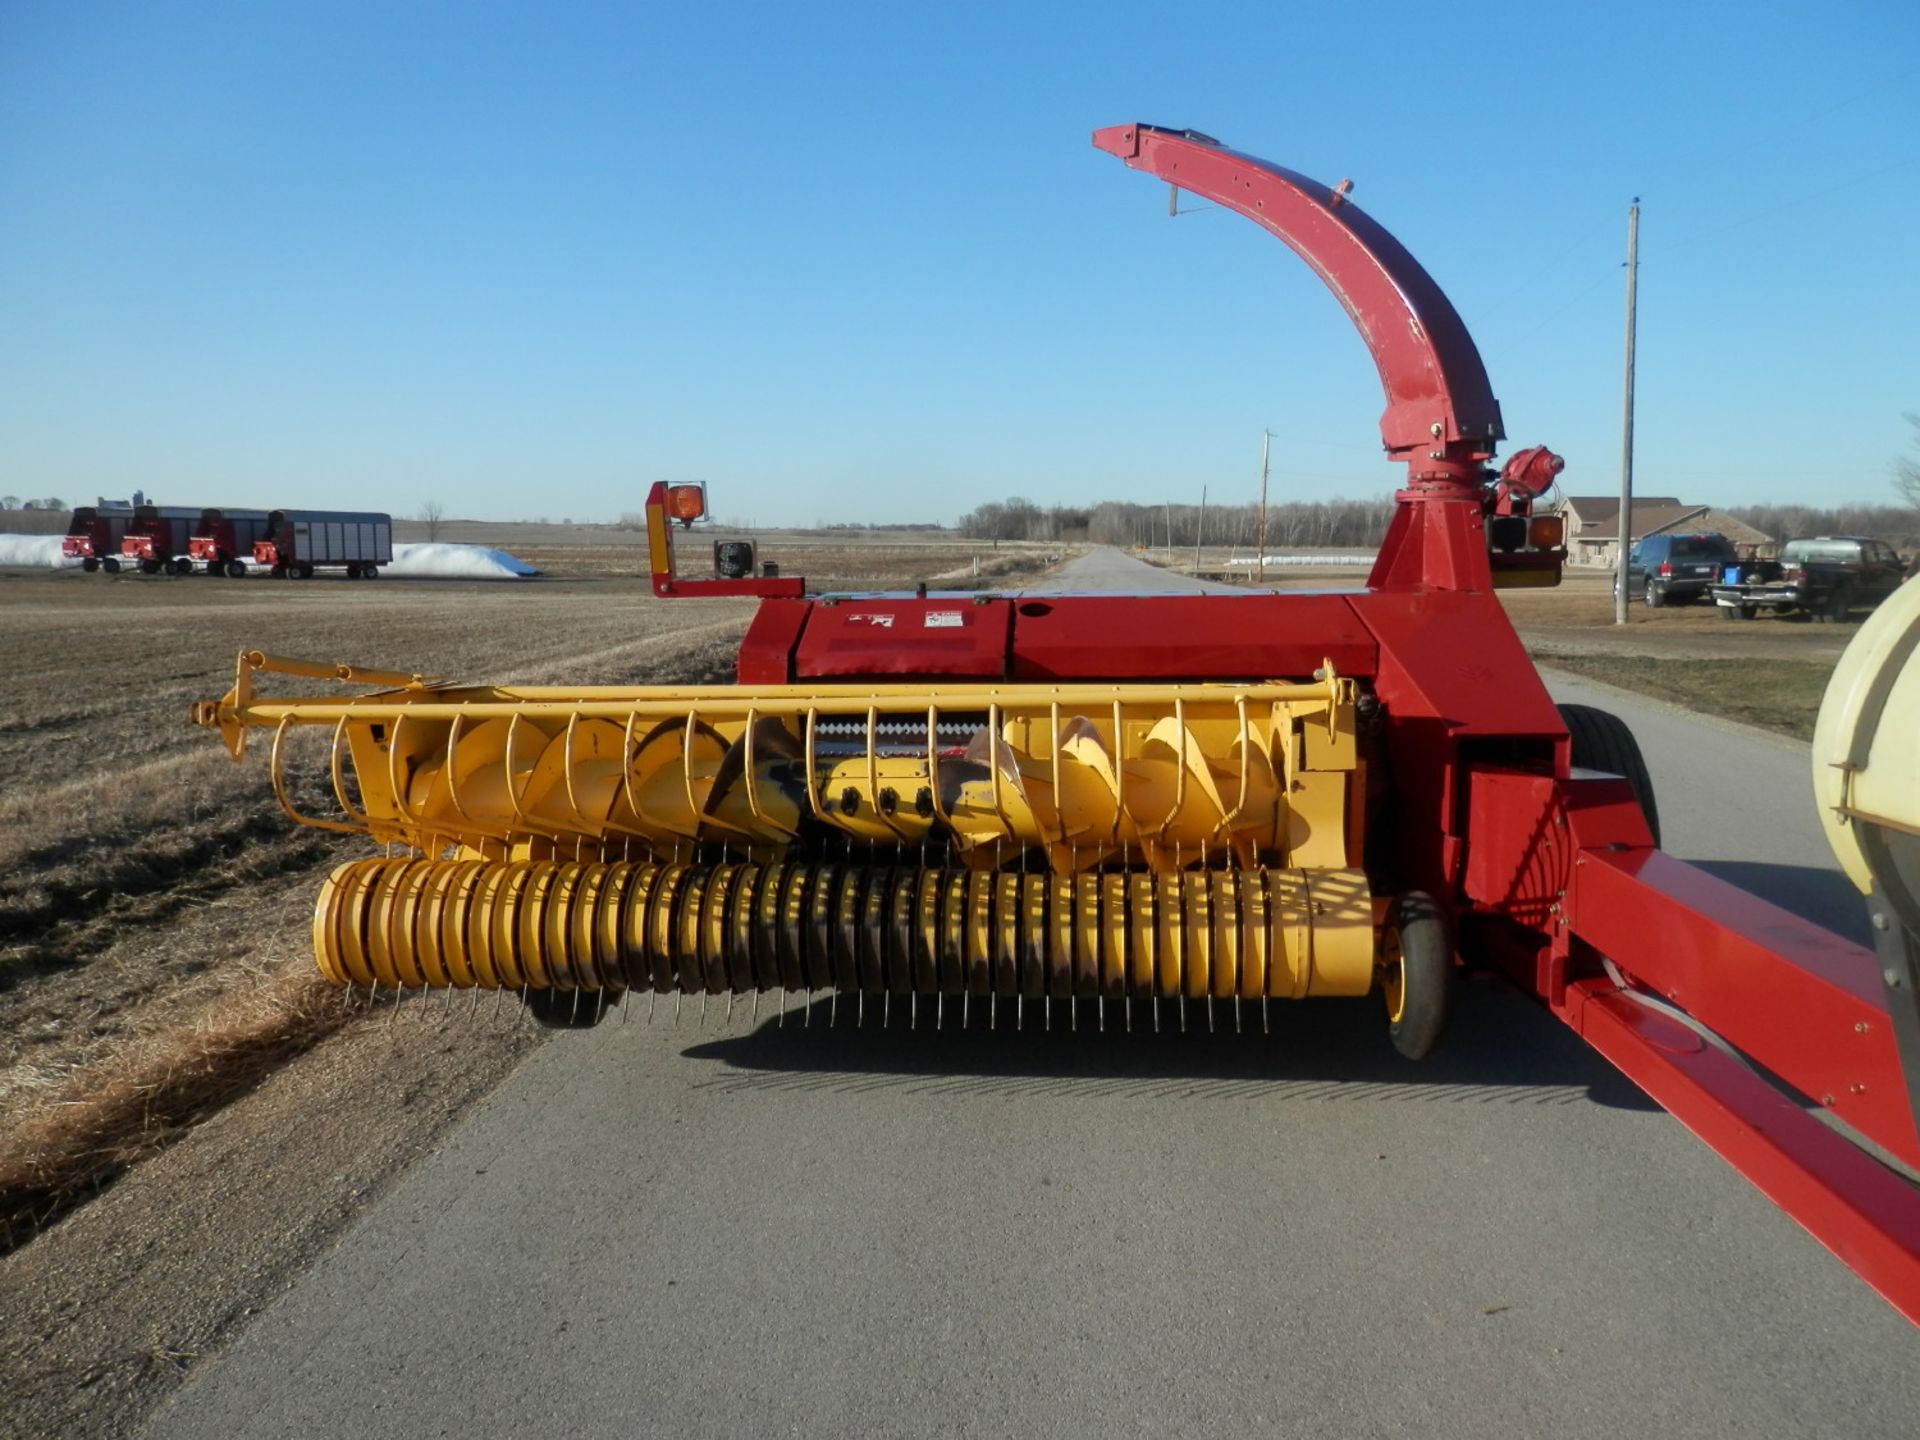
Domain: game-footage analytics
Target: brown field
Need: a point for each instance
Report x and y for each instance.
(154, 962)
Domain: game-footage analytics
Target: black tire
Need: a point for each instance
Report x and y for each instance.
(369, 572)
(1747, 612)
(89, 564)
(1653, 595)
(1416, 974)
(1838, 603)
(278, 572)
(149, 567)
(110, 565)
(1602, 741)
(353, 572)
(236, 569)
(569, 1009)
(306, 572)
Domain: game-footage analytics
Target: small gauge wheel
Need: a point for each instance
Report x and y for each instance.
(1416, 974)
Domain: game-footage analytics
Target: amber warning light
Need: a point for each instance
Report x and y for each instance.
(687, 503)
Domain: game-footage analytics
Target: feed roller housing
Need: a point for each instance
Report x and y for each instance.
(1094, 805)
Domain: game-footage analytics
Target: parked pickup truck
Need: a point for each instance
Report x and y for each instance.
(1824, 577)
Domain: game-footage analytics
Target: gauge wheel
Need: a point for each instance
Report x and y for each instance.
(1416, 974)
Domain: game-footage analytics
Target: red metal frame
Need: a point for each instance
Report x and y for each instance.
(1549, 877)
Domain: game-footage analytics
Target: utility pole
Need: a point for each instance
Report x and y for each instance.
(1260, 529)
(1201, 531)
(1626, 435)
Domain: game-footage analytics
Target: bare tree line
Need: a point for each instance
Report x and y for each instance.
(1314, 523)
(1358, 524)
(1896, 524)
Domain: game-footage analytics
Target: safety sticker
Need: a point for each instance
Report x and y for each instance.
(944, 620)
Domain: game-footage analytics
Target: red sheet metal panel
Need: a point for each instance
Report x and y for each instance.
(1859, 1209)
(1187, 637)
(1455, 656)
(1518, 848)
(766, 653)
(1800, 1000)
(964, 635)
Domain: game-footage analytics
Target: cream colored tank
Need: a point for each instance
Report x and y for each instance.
(1866, 754)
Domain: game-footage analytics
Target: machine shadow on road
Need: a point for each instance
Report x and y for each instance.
(1501, 1050)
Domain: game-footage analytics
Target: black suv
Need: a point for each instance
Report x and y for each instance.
(1676, 567)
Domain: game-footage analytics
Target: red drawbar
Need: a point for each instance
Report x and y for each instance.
(1800, 1000)
(1848, 1201)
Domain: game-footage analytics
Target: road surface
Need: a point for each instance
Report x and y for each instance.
(795, 1230)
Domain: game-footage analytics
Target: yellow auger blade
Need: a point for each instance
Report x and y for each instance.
(1164, 777)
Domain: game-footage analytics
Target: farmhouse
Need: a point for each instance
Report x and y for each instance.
(1593, 524)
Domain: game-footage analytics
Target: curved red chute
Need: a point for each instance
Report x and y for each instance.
(1438, 398)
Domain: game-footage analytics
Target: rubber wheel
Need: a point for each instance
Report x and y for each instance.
(1416, 977)
(369, 572)
(1747, 612)
(1838, 604)
(353, 572)
(278, 572)
(569, 1009)
(236, 569)
(89, 564)
(1602, 741)
(1654, 596)
(306, 572)
(110, 565)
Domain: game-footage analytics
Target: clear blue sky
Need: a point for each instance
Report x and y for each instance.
(861, 261)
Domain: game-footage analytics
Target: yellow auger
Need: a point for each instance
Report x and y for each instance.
(1174, 841)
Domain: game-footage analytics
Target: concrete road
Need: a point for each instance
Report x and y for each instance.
(787, 1230)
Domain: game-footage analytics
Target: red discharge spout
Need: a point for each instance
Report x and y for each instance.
(1441, 417)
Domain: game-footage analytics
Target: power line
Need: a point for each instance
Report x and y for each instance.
(1814, 197)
